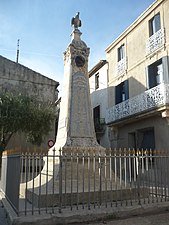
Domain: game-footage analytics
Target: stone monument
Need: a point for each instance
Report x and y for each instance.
(77, 168)
(76, 127)
(76, 135)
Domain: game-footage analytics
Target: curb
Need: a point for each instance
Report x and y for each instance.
(86, 216)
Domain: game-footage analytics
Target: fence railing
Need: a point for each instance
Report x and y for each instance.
(89, 179)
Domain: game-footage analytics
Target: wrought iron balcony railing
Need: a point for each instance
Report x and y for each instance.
(156, 41)
(121, 66)
(148, 100)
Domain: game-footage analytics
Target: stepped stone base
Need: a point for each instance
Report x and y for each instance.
(80, 179)
(97, 197)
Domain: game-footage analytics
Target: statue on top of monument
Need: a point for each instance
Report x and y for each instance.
(76, 22)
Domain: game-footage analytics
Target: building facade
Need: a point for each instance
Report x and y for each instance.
(138, 80)
(99, 92)
(17, 78)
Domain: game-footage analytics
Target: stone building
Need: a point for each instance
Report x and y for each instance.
(98, 92)
(15, 77)
(138, 80)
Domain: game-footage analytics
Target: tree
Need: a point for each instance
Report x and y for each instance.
(20, 113)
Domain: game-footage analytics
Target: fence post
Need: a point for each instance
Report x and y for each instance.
(60, 181)
(138, 174)
(100, 179)
(10, 180)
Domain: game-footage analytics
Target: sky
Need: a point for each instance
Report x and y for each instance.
(44, 27)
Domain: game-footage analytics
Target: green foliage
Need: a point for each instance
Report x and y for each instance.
(19, 113)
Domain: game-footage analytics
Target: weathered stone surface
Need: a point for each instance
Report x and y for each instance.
(76, 128)
(18, 78)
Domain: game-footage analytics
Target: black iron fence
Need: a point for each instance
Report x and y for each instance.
(74, 179)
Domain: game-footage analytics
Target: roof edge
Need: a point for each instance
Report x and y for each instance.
(29, 69)
(139, 19)
(99, 65)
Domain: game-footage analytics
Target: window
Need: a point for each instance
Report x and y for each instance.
(121, 92)
(121, 60)
(96, 113)
(99, 123)
(132, 140)
(154, 24)
(96, 117)
(155, 74)
(97, 81)
(146, 139)
(143, 139)
(121, 52)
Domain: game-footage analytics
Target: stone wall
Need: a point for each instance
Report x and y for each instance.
(17, 78)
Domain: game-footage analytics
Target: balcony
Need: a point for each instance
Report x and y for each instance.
(121, 66)
(151, 99)
(99, 125)
(156, 41)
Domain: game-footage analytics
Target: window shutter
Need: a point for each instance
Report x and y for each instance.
(119, 57)
(126, 89)
(151, 77)
(147, 78)
(165, 69)
(117, 94)
(157, 22)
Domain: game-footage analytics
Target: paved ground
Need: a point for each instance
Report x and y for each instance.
(3, 220)
(161, 218)
(157, 219)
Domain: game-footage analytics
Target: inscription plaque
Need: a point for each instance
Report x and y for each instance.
(80, 111)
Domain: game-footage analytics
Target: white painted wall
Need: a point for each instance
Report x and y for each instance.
(100, 97)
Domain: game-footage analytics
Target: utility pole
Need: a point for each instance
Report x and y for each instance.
(17, 54)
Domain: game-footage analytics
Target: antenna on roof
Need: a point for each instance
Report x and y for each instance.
(17, 54)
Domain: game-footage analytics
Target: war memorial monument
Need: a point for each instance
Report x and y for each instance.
(77, 173)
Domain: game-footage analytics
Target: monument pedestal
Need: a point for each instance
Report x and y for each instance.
(83, 178)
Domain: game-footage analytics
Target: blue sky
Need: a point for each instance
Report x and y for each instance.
(43, 27)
